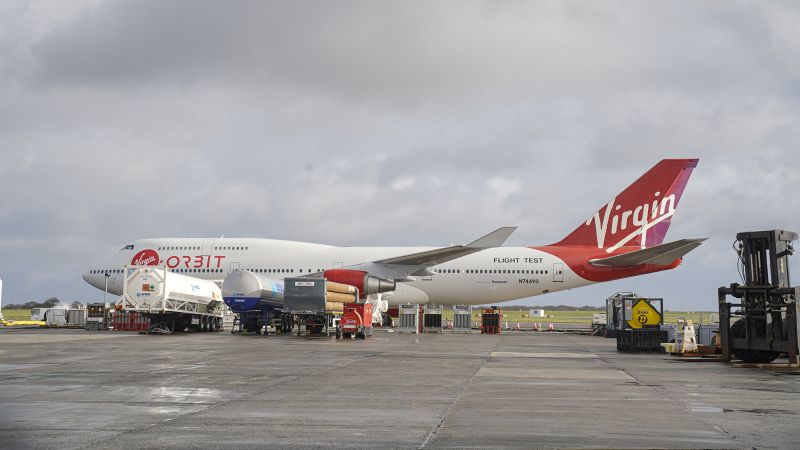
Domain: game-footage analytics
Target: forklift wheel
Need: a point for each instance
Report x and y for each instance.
(750, 356)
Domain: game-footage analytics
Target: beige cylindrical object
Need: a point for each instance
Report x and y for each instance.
(339, 297)
(339, 287)
(334, 306)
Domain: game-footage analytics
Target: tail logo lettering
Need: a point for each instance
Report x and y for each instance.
(640, 219)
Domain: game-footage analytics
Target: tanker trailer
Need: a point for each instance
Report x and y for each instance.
(172, 301)
(251, 296)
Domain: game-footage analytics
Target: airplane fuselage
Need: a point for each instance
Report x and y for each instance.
(489, 276)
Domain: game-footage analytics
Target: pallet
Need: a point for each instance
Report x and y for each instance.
(771, 366)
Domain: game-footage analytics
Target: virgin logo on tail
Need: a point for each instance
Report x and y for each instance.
(639, 219)
(639, 215)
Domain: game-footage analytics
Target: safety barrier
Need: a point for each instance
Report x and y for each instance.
(130, 321)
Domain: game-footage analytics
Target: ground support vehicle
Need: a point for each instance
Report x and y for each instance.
(768, 307)
(316, 304)
(171, 301)
(356, 320)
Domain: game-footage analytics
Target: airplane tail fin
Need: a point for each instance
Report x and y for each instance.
(641, 214)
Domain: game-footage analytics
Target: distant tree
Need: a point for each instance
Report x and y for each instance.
(50, 302)
(550, 307)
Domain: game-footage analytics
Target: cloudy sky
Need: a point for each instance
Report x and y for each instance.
(387, 123)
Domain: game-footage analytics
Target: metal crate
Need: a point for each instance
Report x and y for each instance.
(490, 321)
(304, 295)
(462, 319)
(408, 319)
(641, 340)
(432, 319)
(706, 334)
(76, 317)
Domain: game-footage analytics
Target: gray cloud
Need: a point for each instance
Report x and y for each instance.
(433, 122)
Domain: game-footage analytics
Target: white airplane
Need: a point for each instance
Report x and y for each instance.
(624, 238)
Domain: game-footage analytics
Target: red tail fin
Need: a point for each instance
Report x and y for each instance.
(641, 214)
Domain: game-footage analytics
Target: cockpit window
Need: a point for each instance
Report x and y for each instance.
(128, 247)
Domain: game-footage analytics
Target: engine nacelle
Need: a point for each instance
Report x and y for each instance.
(365, 283)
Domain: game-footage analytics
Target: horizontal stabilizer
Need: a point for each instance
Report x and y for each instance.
(661, 255)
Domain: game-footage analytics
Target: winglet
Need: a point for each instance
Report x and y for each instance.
(494, 239)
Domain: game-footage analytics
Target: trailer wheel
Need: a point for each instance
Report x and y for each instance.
(346, 335)
(739, 331)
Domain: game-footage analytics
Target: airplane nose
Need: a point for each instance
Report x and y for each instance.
(89, 276)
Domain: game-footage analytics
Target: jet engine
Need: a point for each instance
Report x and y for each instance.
(365, 283)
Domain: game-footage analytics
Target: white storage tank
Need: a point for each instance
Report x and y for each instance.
(155, 289)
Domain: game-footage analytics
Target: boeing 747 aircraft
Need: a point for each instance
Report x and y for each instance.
(624, 238)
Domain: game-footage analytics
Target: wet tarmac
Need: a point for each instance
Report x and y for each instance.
(80, 389)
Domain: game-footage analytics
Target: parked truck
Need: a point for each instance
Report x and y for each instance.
(172, 301)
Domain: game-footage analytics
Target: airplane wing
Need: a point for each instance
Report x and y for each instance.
(416, 264)
(432, 257)
(661, 255)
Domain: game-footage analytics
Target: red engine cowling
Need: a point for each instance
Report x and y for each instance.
(363, 281)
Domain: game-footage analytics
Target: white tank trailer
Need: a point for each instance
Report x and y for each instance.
(171, 300)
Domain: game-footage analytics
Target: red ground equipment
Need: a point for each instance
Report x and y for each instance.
(130, 321)
(356, 320)
(490, 321)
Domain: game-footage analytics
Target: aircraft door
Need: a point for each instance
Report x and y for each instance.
(208, 245)
(558, 272)
(234, 267)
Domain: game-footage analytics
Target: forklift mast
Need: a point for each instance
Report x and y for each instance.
(765, 256)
